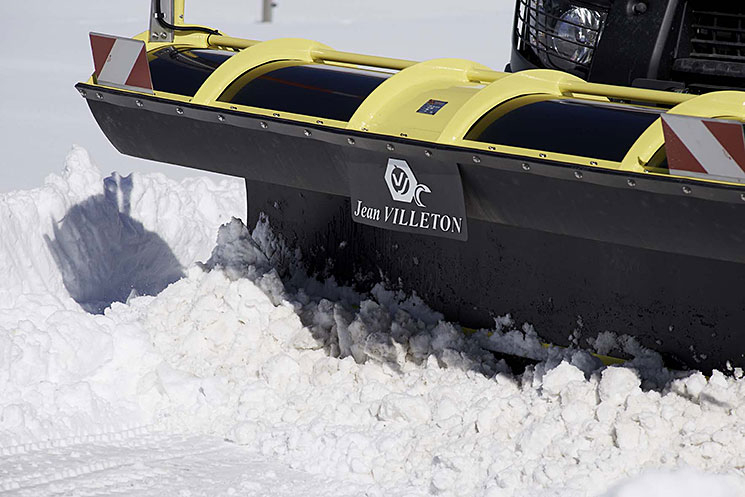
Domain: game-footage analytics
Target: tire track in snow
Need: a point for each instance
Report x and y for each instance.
(136, 462)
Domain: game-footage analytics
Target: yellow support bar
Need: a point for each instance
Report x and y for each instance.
(484, 75)
(178, 12)
(220, 41)
(625, 93)
(328, 55)
(250, 58)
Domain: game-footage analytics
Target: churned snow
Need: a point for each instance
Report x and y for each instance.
(124, 360)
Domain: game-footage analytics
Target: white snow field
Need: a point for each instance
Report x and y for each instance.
(240, 376)
(151, 346)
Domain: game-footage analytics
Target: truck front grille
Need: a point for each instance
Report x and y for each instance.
(717, 30)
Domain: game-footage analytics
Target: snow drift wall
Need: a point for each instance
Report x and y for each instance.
(371, 389)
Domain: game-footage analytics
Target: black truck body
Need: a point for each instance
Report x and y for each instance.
(691, 46)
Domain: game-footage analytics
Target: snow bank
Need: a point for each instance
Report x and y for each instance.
(81, 242)
(372, 389)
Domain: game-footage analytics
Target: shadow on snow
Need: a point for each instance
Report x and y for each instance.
(105, 255)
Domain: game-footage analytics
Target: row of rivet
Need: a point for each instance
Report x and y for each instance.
(476, 159)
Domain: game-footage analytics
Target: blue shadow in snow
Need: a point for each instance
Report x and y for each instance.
(105, 255)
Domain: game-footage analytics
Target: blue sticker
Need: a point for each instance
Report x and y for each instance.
(431, 107)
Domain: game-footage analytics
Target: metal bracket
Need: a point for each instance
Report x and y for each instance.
(159, 32)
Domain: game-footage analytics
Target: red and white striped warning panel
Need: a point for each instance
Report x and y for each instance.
(705, 148)
(121, 62)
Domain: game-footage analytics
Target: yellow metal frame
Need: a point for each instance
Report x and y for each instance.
(391, 108)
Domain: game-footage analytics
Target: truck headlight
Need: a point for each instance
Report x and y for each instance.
(563, 33)
(577, 32)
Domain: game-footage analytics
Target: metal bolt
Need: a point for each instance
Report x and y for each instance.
(163, 35)
(476, 159)
(542, 156)
(263, 124)
(155, 36)
(221, 118)
(99, 95)
(640, 8)
(742, 196)
(390, 147)
(427, 153)
(233, 107)
(404, 135)
(365, 129)
(83, 92)
(526, 166)
(492, 147)
(350, 141)
(275, 114)
(319, 122)
(593, 163)
(139, 103)
(179, 111)
(578, 174)
(687, 190)
(306, 132)
(631, 182)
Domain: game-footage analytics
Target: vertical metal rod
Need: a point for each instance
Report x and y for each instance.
(266, 10)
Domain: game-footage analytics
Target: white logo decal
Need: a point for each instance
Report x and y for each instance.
(403, 184)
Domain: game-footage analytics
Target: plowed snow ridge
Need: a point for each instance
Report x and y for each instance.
(337, 392)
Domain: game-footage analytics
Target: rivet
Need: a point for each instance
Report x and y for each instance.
(427, 153)
(492, 147)
(631, 182)
(83, 92)
(593, 163)
(163, 35)
(526, 166)
(275, 114)
(742, 196)
(687, 190)
(476, 159)
(263, 124)
(220, 118)
(350, 141)
(155, 36)
(390, 147)
(542, 156)
(179, 111)
(319, 122)
(365, 129)
(306, 132)
(404, 135)
(139, 103)
(99, 95)
(578, 174)
(233, 107)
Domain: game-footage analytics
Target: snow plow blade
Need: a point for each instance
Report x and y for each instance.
(580, 208)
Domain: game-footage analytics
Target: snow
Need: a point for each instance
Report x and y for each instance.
(350, 393)
(152, 345)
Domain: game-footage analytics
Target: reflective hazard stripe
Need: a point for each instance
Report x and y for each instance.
(699, 147)
(121, 62)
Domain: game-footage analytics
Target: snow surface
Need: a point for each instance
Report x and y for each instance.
(127, 366)
(335, 392)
